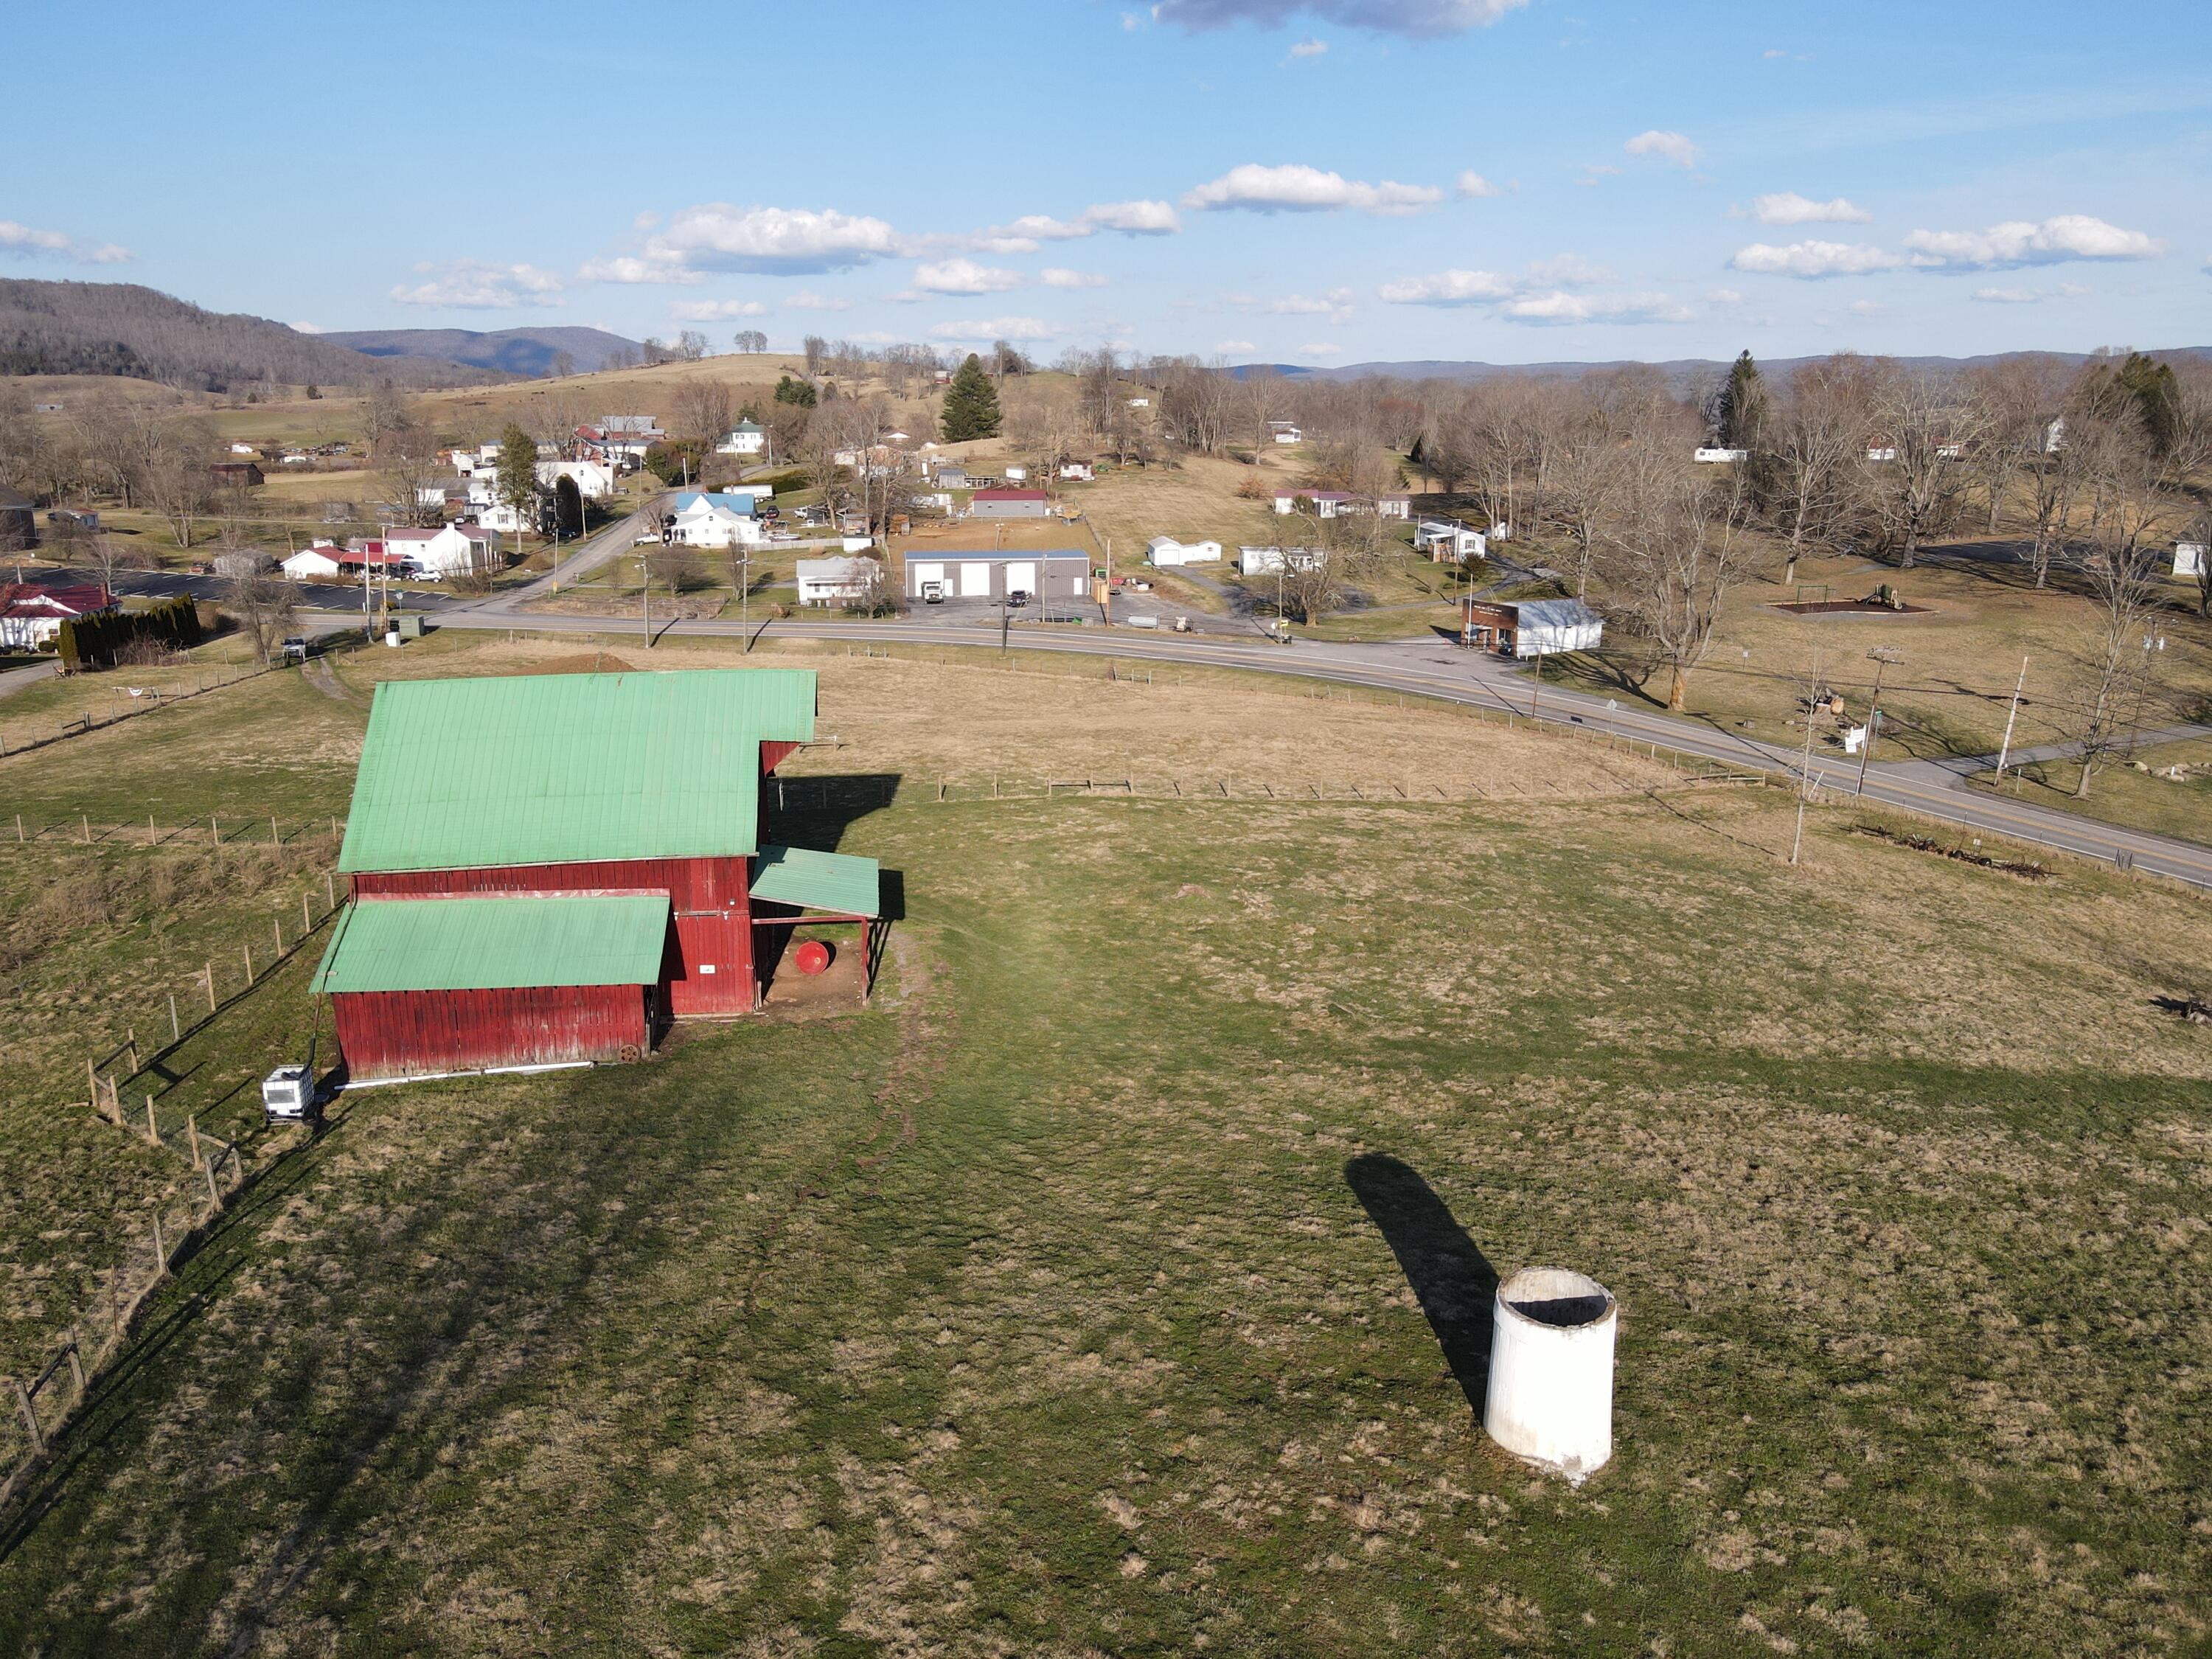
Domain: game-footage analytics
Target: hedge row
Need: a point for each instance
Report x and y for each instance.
(94, 640)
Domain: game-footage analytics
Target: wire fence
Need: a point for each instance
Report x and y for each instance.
(142, 691)
(203, 829)
(212, 1170)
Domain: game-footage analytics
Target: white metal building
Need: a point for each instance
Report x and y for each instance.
(1166, 552)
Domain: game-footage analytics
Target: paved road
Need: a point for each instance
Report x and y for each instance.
(617, 538)
(1431, 669)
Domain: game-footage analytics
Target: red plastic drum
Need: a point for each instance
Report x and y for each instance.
(812, 956)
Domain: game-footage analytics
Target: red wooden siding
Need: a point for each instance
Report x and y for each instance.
(408, 1033)
(710, 969)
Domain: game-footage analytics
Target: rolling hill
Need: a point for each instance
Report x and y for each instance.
(524, 352)
(121, 328)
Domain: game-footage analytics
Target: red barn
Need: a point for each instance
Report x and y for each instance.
(544, 868)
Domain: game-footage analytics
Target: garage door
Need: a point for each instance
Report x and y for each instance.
(919, 573)
(975, 579)
(1022, 579)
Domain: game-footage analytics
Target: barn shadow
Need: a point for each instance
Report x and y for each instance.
(1450, 1277)
(816, 812)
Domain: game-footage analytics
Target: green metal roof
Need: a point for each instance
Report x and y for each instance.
(818, 881)
(494, 944)
(550, 768)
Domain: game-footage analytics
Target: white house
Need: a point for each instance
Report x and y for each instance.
(1140, 403)
(1447, 539)
(451, 550)
(595, 480)
(31, 618)
(1341, 503)
(713, 519)
(745, 438)
(1166, 552)
(2189, 559)
(1018, 474)
(1267, 560)
(1078, 471)
(1715, 457)
(313, 563)
(241, 449)
(838, 581)
(1286, 432)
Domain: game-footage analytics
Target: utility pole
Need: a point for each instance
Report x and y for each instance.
(2004, 749)
(1882, 656)
(1805, 766)
(645, 571)
(1536, 690)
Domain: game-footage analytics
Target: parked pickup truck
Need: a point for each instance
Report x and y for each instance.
(933, 593)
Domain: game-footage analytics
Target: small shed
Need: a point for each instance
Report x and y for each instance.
(235, 474)
(1008, 504)
(311, 563)
(2189, 559)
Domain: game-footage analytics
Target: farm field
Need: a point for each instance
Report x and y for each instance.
(1120, 1281)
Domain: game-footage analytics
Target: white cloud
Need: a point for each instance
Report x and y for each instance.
(964, 276)
(996, 328)
(807, 299)
(1774, 52)
(1725, 296)
(474, 285)
(1667, 146)
(1310, 49)
(627, 268)
(1235, 348)
(1419, 19)
(1592, 172)
(1298, 189)
(1814, 259)
(2074, 290)
(1336, 304)
(2006, 297)
(26, 240)
(648, 220)
(1472, 183)
(1558, 307)
(1060, 276)
(1448, 287)
(307, 328)
(1322, 348)
(716, 311)
(791, 241)
(2018, 242)
(1868, 309)
(1138, 218)
(1788, 208)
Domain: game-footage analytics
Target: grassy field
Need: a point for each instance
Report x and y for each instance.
(1948, 694)
(1118, 1283)
(2120, 794)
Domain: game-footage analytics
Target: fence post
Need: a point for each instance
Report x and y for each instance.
(215, 1194)
(85, 818)
(330, 888)
(214, 829)
(176, 1026)
(160, 1246)
(248, 951)
(152, 1128)
(307, 917)
(210, 971)
(30, 1414)
(77, 1363)
(278, 927)
(274, 839)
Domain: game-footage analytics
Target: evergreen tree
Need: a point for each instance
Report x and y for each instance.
(1739, 407)
(2150, 387)
(971, 405)
(517, 477)
(800, 394)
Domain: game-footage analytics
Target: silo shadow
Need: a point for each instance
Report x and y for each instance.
(1451, 1279)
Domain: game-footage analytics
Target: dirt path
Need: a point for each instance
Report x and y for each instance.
(318, 674)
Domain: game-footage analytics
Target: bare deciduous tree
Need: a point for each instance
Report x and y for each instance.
(1922, 427)
(1818, 441)
(264, 607)
(1673, 554)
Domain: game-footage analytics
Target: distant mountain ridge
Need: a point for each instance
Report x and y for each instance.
(1681, 372)
(529, 352)
(122, 328)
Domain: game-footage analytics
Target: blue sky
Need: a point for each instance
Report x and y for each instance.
(1325, 183)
